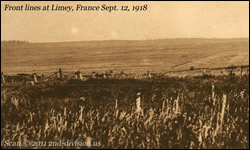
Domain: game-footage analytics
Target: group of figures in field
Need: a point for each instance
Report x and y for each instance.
(78, 75)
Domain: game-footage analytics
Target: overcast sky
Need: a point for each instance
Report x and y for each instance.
(161, 20)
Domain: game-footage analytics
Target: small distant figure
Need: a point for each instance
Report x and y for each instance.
(93, 75)
(122, 74)
(77, 74)
(138, 104)
(109, 74)
(35, 77)
(149, 75)
(80, 76)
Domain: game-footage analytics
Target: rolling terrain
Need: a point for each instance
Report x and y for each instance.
(203, 111)
(130, 56)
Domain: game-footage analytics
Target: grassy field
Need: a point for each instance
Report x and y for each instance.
(190, 112)
(179, 109)
(130, 56)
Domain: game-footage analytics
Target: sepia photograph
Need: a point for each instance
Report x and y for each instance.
(124, 74)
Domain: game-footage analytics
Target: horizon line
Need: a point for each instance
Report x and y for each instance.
(122, 40)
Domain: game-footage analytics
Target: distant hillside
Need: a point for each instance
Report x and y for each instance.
(130, 56)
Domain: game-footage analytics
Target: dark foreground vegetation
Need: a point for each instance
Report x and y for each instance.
(190, 112)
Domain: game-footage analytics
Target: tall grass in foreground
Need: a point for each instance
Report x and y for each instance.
(215, 121)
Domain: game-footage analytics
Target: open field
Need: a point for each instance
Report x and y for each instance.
(195, 95)
(130, 56)
(190, 112)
